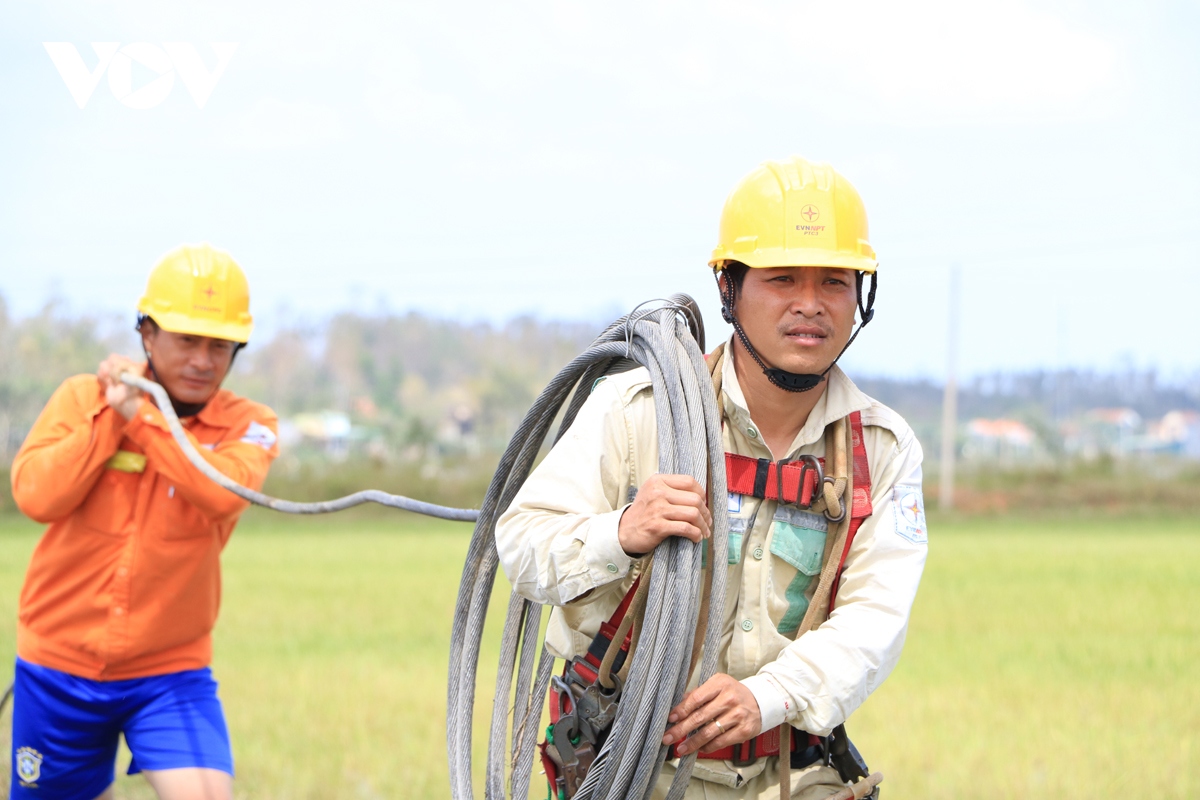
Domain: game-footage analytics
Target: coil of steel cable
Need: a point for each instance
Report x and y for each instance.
(668, 341)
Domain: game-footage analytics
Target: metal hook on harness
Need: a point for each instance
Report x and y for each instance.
(845, 505)
(808, 463)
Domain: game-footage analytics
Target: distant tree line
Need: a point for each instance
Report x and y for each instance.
(398, 374)
(402, 375)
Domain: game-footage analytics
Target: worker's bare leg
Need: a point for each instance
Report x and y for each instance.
(191, 783)
(107, 794)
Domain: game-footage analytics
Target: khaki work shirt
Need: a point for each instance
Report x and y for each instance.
(558, 544)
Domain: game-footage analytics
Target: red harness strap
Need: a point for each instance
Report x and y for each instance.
(589, 666)
(759, 477)
(762, 746)
(861, 505)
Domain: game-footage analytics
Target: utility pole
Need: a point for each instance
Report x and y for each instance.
(1062, 386)
(950, 397)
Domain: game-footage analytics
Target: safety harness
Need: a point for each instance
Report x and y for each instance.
(583, 702)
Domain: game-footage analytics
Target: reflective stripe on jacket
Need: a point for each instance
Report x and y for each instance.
(126, 581)
(558, 544)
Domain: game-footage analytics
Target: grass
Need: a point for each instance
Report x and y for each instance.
(1045, 658)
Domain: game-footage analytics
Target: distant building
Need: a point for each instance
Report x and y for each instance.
(1103, 431)
(1177, 433)
(999, 440)
(329, 430)
(1121, 432)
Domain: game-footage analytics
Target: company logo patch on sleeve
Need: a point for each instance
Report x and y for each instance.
(910, 514)
(260, 435)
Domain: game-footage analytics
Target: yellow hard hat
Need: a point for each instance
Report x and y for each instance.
(794, 213)
(200, 290)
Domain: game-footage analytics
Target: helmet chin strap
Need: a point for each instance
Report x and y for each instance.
(795, 381)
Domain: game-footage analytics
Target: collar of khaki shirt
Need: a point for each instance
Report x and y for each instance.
(840, 398)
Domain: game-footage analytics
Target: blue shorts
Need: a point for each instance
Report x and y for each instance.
(65, 729)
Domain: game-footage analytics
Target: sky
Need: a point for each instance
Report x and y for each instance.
(570, 160)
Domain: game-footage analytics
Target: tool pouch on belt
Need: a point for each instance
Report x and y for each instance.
(844, 756)
(582, 708)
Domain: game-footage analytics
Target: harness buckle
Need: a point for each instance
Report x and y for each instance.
(597, 706)
(750, 751)
(807, 463)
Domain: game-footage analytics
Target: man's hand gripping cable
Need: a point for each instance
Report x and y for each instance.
(286, 506)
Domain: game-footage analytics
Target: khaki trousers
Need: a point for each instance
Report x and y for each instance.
(815, 782)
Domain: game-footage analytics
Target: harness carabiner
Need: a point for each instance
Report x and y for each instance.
(835, 520)
(807, 463)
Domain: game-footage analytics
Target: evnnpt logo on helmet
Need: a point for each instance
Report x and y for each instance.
(165, 62)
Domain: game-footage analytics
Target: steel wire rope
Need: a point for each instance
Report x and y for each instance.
(286, 506)
(667, 341)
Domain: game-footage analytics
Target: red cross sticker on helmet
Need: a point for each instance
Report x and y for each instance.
(201, 290)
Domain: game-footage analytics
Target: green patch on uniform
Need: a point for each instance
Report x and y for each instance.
(737, 529)
(802, 547)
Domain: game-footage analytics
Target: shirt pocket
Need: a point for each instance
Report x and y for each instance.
(173, 517)
(109, 506)
(743, 510)
(740, 517)
(797, 547)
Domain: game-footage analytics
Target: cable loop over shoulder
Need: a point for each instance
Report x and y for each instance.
(667, 340)
(681, 304)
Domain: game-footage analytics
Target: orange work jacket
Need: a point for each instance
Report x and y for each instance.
(126, 581)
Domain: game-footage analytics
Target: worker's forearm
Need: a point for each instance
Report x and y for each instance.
(560, 558)
(243, 463)
(558, 541)
(61, 461)
(827, 673)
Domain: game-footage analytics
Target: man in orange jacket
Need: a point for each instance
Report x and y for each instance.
(122, 592)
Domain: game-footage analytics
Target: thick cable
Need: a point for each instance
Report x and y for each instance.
(286, 506)
(667, 342)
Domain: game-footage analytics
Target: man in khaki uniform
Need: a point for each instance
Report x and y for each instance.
(790, 265)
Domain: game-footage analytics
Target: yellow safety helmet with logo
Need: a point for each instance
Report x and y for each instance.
(199, 290)
(794, 213)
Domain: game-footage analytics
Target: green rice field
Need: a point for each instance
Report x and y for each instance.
(1052, 658)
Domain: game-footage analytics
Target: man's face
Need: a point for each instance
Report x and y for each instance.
(798, 318)
(189, 367)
